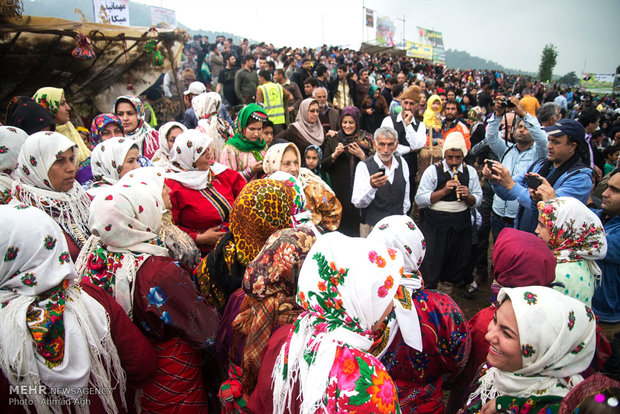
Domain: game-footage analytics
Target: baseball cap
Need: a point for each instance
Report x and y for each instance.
(195, 88)
(567, 127)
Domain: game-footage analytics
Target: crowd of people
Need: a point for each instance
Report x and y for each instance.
(293, 241)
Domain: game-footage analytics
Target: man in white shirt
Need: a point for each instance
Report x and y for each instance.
(447, 191)
(381, 185)
(411, 133)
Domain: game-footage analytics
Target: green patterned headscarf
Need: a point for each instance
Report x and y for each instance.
(239, 140)
(49, 98)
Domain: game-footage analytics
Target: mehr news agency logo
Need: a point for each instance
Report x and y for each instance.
(53, 396)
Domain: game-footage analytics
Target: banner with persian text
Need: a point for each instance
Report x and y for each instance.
(419, 50)
(434, 39)
(602, 83)
(370, 18)
(112, 12)
(386, 31)
(163, 18)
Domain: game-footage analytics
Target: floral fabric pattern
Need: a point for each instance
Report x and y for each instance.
(98, 125)
(107, 161)
(345, 287)
(146, 137)
(577, 239)
(11, 141)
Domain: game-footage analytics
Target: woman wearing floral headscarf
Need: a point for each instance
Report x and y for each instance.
(265, 302)
(202, 191)
(341, 154)
(577, 239)
(110, 161)
(321, 364)
(11, 141)
(55, 334)
(127, 258)
(320, 199)
(540, 341)
(181, 247)
(263, 207)
(426, 341)
(46, 180)
(130, 110)
(53, 99)
(245, 150)
(28, 115)
(168, 133)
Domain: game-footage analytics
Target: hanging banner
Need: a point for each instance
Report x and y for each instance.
(602, 83)
(163, 18)
(386, 31)
(370, 18)
(419, 50)
(112, 11)
(434, 39)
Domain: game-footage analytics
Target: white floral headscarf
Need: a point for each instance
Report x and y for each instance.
(345, 286)
(32, 187)
(107, 160)
(51, 332)
(401, 233)
(125, 220)
(576, 232)
(557, 335)
(11, 141)
(162, 155)
(187, 148)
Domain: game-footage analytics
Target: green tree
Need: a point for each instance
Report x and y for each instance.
(547, 62)
(569, 79)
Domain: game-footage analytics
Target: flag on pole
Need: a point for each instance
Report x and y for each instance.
(370, 18)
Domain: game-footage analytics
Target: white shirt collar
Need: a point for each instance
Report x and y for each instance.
(446, 168)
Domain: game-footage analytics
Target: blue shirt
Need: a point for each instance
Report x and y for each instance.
(575, 183)
(516, 161)
(606, 299)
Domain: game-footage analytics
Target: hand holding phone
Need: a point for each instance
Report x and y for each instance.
(382, 170)
(533, 182)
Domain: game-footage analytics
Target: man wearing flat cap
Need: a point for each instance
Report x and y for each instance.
(561, 174)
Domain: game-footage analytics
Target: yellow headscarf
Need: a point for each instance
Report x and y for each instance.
(50, 98)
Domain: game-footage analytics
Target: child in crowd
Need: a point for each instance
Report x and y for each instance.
(432, 117)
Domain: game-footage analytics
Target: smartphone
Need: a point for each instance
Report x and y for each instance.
(382, 170)
(490, 164)
(533, 182)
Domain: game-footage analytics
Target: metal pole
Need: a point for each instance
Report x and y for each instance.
(363, 20)
(404, 45)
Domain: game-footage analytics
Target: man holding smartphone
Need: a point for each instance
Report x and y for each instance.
(530, 144)
(381, 185)
(561, 174)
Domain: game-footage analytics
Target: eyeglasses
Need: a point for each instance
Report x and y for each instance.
(314, 111)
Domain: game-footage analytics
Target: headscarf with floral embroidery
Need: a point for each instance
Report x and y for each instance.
(345, 287)
(125, 220)
(98, 125)
(25, 113)
(50, 99)
(270, 285)
(188, 147)
(52, 333)
(401, 233)
(576, 232)
(146, 137)
(107, 162)
(11, 141)
(557, 335)
(33, 187)
(162, 155)
(301, 216)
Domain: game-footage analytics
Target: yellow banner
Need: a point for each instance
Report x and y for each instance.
(418, 50)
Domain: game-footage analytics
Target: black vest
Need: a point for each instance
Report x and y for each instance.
(389, 198)
(442, 221)
(412, 157)
(444, 176)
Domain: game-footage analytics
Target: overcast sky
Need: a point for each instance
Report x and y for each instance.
(510, 32)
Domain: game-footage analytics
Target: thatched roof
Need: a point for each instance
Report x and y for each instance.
(36, 52)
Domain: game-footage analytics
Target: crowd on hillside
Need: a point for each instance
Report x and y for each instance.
(292, 238)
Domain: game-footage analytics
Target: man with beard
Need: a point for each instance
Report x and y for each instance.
(530, 145)
(447, 190)
(328, 116)
(451, 124)
(381, 184)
